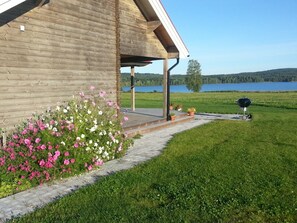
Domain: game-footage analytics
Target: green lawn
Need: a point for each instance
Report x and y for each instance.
(226, 171)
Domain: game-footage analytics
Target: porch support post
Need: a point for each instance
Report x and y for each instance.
(165, 69)
(132, 88)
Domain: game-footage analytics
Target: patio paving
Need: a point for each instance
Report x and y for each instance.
(145, 148)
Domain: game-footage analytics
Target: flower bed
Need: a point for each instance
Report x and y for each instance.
(76, 137)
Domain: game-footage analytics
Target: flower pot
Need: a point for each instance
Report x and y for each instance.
(172, 118)
(191, 113)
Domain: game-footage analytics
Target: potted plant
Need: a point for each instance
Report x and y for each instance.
(172, 116)
(191, 111)
(179, 107)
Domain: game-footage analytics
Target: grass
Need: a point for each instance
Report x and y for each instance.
(226, 171)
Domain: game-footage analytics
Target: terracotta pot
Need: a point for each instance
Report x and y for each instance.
(172, 118)
(191, 113)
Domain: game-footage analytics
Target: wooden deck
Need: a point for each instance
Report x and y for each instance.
(145, 120)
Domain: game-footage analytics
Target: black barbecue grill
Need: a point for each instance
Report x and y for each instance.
(243, 104)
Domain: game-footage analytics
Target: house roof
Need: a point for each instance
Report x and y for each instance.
(153, 10)
(8, 4)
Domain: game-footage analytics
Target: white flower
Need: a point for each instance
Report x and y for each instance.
(117, 141)
(88, 149)
(94, 128)
(100, 149)
(110, 122)
(101, 133)
(68, 108)
(63, 143)
(108, 143)
(58, 108)
(65, 110)
(89, 112)
(100, 112)
(90, 142)
(82, 136)
(95, 144)
(77, 138)
(105, 154)
(55, 129)
(95, 122)
(86, 119)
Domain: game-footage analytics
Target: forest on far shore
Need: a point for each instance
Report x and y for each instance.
(276, 75)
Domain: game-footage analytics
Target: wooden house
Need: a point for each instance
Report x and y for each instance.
(52, 49)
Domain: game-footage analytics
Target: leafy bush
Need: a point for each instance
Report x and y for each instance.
(76, 137)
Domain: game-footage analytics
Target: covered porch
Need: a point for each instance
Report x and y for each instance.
(154, 38)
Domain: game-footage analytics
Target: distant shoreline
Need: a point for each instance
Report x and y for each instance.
(233, 87)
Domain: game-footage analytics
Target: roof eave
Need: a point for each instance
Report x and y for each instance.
(8, 4)
(169, 27)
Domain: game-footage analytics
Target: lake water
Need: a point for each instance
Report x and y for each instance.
(259, 86)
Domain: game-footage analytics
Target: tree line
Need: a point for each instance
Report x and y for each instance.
(276, 75)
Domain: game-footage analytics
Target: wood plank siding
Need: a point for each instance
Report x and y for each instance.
(67, 46)
(135, 38)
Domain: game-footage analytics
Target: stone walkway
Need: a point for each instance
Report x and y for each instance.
(144, 149)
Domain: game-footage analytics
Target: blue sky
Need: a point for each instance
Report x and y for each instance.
(231, 36)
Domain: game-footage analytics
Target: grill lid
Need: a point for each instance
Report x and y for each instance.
(244, 102)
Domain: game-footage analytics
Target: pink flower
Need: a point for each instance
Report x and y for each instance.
(72, 160)
(37, 140)
(76, 145)
(50, 147)
(102, 94)
(120, 147)
(40, 125)
(31, 127)
(43, 147)
(110, 103)
(2, 161)
(52, 122)
(15, 136)
(41, 163)
(47, 175)
(66, 153)
(81, 94)
(126, 118)
(99, 163)
(66, 162)
(12, 156)
(90, 167)
(24, 132)
(35, 130)
(57, 153)
(11, 144)
(49, 165)
(92, 88)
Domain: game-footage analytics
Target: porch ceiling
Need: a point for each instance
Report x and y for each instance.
(153, 10)
(129, 61)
